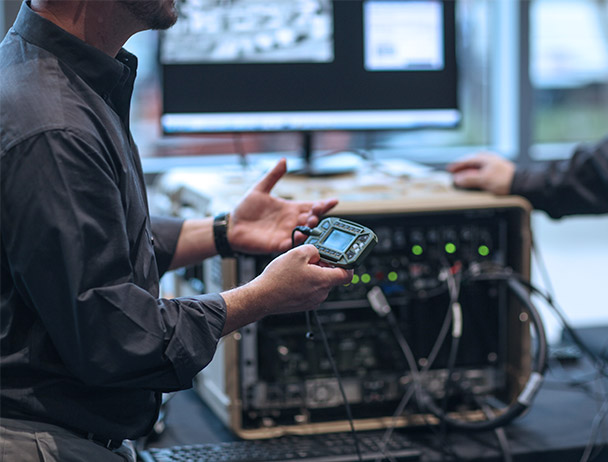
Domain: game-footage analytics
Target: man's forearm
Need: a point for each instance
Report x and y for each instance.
(195, 243)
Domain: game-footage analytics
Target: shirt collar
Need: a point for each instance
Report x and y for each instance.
(102, 72)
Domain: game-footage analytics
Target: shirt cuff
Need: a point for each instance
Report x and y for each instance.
(197, 334)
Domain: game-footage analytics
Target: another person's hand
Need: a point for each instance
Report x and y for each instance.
(487, 171)
(262, 223)
(292, 282)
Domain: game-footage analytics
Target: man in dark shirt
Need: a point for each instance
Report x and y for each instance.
(87, 346)
(578, 185)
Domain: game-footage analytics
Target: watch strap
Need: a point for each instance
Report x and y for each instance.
(220, 235)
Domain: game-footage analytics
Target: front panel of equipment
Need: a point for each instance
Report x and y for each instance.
(286, 378)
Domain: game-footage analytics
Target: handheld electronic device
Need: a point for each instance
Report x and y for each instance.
(341, 242)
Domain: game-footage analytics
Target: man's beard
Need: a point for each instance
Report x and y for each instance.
(153, 14)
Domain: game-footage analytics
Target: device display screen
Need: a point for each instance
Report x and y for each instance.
(338, 240)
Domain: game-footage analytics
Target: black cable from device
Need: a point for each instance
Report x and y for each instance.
(306, 231)
(336, 373)
(310, 336)
(303, 229)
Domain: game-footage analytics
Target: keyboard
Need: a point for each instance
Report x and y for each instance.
(331, 447)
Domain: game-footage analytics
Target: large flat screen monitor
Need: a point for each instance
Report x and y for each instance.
(309, 65)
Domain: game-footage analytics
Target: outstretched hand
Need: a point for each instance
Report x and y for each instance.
(262, 223)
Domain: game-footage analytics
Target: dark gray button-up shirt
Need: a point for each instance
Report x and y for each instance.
(578, 185)
(85, 340)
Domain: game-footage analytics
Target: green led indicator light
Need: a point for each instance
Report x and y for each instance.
(417, 249)
(365, 278)
(483, 250)
(355, 279)
(392, 276)
(450, 248)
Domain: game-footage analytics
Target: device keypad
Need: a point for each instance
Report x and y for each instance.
(352, 229)
(329, 252)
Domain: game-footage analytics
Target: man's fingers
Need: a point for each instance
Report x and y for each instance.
(343, 276)
(321, 207)
(312, 221)
(309, 252)
(271, 178)
(475, 161)
(467, 179)
(465, 164)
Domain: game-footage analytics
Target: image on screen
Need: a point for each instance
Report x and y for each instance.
(250, 31)
(403, 35)
(338, 240)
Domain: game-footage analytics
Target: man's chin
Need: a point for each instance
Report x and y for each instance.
(170, 14)
(165, 18)
(153, 14)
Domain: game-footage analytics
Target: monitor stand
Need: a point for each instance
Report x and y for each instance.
(315, 166)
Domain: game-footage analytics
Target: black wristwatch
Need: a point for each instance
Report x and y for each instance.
(220, 235)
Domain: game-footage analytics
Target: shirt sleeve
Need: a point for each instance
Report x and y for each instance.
(165, 231)
(64, 230)
(578, 185)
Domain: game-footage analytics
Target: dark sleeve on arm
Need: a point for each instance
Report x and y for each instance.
(166, 234)
(578, 185)
(73, 262)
